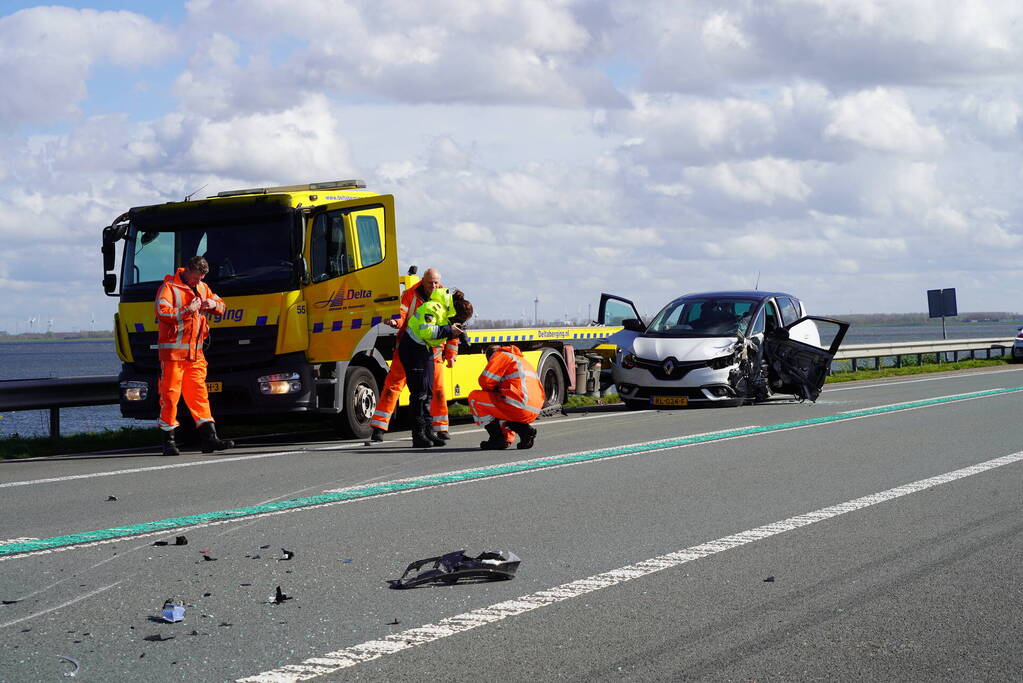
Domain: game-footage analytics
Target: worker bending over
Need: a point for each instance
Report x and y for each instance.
(412, 299)
(511, 391)
(183, 304)
(432, 324)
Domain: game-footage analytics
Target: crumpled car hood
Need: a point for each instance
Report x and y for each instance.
(659, 348)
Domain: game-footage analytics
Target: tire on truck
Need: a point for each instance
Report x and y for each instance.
(553, 376)
(361, 393)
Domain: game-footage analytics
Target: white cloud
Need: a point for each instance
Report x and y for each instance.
(48, 53)
(762, 180)
(881, 119)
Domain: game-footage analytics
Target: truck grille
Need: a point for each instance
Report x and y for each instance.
(228, 348)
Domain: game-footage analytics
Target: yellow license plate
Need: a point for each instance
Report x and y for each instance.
(214, 387)
(670, 401)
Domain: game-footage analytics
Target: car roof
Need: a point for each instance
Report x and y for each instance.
(759, 295)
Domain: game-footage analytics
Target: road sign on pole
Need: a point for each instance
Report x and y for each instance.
(942, 303)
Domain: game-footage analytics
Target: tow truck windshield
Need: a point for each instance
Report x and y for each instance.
(703, 317)
(244, 258)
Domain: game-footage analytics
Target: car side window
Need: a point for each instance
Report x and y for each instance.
(789, 313)
(758, 323)
(771, 320)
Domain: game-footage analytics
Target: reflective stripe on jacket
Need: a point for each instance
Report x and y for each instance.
(412, 299)
(181, 333)
(511, 376)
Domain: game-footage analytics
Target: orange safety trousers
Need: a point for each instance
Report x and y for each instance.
(487, 406)
(395, 382)
(183, 378)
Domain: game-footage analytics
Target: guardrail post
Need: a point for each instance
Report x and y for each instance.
(898, 360)
(54, 423)
(853, 364)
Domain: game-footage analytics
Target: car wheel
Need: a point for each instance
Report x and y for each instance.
(636, 404)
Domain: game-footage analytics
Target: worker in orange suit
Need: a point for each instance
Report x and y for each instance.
(183, 305)
(510, 390)
(444, 356)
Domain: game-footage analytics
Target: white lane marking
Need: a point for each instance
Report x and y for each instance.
(20, 539)
(62, 605)
(913, 381)
(902, 403)
(414, 637)
(217, 460)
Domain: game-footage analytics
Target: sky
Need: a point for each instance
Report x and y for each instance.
(855, 153)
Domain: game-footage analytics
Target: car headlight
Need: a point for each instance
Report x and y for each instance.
(721, 362)
(629, 361)
(281, 383)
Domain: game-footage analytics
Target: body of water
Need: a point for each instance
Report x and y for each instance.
(26, 360)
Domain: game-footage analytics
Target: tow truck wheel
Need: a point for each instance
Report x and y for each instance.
(361, 394)
(555, 385)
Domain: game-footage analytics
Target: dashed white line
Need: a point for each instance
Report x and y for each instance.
(902, 403)
(415, 637)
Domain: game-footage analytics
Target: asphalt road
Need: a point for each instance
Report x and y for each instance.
(874, 535)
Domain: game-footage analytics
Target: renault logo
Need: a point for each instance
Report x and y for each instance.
(669, 366)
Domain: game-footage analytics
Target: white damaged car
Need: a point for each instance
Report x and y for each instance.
(725, 348)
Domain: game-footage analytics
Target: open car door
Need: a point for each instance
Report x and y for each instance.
(799, 363)
(615, 310)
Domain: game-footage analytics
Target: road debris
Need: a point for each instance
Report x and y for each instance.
(287, 555)
(9, 602)
(109, 498)
(208, 558)
(454, 566)
(178, 540)
(393, 623)
(769, 579)
(73, 672)
(173, 610)
(278, 597)
(157, 638)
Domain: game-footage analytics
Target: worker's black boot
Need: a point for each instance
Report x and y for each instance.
(434, 437)
(443, 436)
(420, 438)
(208, 441)
(496, 441)
(377, 436)
(169, 445)
(527, 433)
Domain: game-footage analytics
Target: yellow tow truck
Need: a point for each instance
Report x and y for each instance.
(308, 274)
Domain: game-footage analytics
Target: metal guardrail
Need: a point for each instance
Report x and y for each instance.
(54, 393)
(899, 350)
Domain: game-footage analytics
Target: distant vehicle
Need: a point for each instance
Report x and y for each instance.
(1017, 345)
(725, 348)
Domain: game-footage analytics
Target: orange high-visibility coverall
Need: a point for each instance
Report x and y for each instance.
(180, 338)
(411, 299)
(510, 390)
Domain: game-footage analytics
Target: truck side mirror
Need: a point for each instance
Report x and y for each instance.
(109, 283)
(108, 255)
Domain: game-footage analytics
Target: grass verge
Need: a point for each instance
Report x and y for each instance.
(849, 376)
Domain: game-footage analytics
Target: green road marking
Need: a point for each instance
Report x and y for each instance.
(452, 477)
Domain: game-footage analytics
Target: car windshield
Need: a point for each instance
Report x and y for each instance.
(703, 317)
(248, 258)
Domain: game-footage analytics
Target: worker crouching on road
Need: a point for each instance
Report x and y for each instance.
(183, 305)
(511, 391)
(412, 299)
(432, 324)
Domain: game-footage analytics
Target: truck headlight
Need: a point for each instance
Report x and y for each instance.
(135, 391)
(281, 383)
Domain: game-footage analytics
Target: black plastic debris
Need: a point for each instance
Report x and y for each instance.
(74, 662)
(769, 579)
(178, 540)
(287, 555)
(455, 566)
(393, 623)
(278, 597)
(110, 498)
(157, 638)
(207, 558)
(264, 547)
(9, 602)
